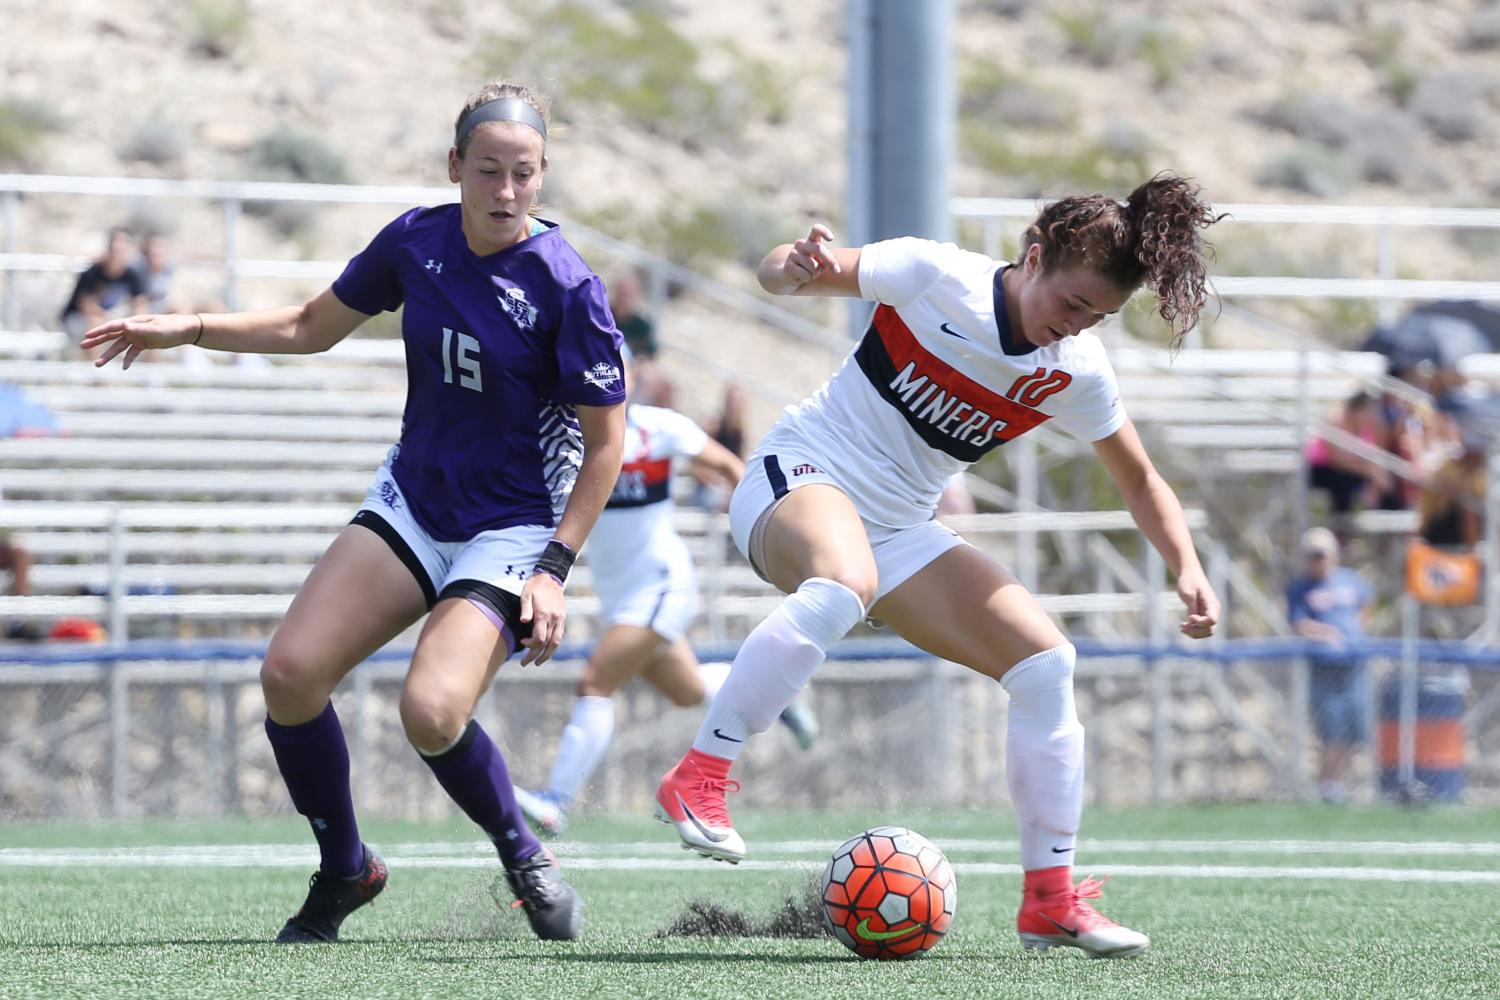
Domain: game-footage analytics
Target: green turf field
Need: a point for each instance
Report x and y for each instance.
(1241, 901)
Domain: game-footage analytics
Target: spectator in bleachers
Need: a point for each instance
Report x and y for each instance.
(1412, 433)
(630, 316)
(1351, 481)
(652, 385)
(157, 269)
(1328, 604)
(1451, 506)
(108, 288)
(728, 428)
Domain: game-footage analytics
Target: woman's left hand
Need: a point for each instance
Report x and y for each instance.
(543, 606)
(1201, 602)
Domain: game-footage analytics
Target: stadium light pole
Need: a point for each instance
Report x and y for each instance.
(901, 125)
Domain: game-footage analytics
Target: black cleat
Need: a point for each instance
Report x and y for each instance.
(330, 899)
(551, 904)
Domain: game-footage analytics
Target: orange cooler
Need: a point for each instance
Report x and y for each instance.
(1439, 772)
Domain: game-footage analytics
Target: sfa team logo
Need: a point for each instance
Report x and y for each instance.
(513, 301)
(602, 375)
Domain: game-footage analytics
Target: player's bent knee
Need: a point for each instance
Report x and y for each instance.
(431, 720)
(291, 685)
(862, 582)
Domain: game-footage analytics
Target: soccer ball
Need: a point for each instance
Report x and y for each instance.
(889, 893)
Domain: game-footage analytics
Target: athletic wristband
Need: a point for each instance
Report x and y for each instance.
(556, 560)
(200, 329)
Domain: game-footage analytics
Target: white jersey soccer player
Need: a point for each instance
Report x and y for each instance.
(648, 594)
(837, 505)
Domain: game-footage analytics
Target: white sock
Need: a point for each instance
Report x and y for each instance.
(775, 663)
(1044, 757)
(584, 740)
(714, 675)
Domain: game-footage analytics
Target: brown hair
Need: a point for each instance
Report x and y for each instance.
(494, 90)
(1153, 238)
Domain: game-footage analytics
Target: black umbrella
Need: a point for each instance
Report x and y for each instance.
(1434, 335)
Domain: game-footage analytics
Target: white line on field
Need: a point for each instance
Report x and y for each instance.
(284, 856)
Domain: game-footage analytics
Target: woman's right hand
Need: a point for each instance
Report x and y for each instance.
(810, 257)
(135, 334)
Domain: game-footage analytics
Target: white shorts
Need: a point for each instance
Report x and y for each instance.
(499, 560)
(771, 476)
(665, 602)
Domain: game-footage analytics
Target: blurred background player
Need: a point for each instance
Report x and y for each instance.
(837, 505)
(649, 594)
(1328, 604)
(510, 444)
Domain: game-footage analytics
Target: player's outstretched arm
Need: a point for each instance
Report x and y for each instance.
(314, 326)
(542, 604)
(811, 267)
(1158, 512)
(719, 464)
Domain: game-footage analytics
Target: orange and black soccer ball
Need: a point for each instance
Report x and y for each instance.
(889, 893)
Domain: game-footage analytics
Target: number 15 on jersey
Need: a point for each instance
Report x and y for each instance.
(461, 351)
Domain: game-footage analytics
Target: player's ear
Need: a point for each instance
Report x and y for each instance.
(454, 165)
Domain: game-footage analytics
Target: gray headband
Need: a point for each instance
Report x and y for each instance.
(501, 109)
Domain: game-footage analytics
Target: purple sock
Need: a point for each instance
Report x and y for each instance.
(314, 762)
(474, 775)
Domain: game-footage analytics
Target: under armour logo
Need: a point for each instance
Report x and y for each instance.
(434, 265)
(511, 834)
(318, 824)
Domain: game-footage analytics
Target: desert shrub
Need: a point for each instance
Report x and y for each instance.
(1011, 9)
(991, 95)
(1310, 169)
(1483, 29)
(1381, 48)
(218, 27)
(1115, 161)
(1451, 104)
(285, 153)
(1325, 119)
(155, 141)
(636, 62)
(23, 125)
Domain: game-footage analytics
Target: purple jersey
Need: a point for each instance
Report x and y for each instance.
(499, 350)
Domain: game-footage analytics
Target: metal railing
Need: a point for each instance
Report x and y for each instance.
(232, 196)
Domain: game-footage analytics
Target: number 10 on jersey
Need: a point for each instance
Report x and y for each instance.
(461, 351)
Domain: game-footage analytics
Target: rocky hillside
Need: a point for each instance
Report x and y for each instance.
(706, 132)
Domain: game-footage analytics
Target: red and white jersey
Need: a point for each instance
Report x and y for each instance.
(938, 381)
(634, 538)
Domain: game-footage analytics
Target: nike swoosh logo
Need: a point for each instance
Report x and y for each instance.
(863, 930)
(1062, 850)
(952, 333)
(1070, 931)
(713, 835)
(721, 736)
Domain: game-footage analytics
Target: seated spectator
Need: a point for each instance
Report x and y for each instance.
(1351, 481)
(1412, 431)
(157, 269)
(635, 326)
(652, 385)
(728, 426)
(108, 288)
(1328, 604)
(1451, 507)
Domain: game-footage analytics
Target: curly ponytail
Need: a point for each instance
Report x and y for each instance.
(1154, 239)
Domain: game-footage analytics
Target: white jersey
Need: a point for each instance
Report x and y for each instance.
(938, 381)
(634, 541)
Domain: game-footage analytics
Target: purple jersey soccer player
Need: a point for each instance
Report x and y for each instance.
(510, 445)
